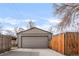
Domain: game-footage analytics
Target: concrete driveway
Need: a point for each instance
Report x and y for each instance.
(31, 52)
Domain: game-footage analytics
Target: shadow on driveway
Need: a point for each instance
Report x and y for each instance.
(21, 53)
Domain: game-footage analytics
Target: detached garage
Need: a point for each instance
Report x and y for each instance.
(33, 38)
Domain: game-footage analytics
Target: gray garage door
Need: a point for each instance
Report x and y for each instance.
(34, 42)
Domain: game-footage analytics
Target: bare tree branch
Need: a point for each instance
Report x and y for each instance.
(68, 13)
(30, 24)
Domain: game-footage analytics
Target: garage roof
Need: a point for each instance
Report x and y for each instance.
(34, 28)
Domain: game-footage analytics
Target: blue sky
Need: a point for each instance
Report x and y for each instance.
(13, 15)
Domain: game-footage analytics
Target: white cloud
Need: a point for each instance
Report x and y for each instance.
(22, 23)
(44, 27)
(12, 21)
(53, 21)
(27, 20)
(57, 21)
(8, 20)
(9, 23)
(50, 22)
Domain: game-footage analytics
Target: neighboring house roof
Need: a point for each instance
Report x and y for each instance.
(33, 28)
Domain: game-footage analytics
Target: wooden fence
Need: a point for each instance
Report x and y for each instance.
(71, 43)
(5, 43)
(66, 43)
(57, 43)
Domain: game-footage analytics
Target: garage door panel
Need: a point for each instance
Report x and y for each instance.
(34, 42)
